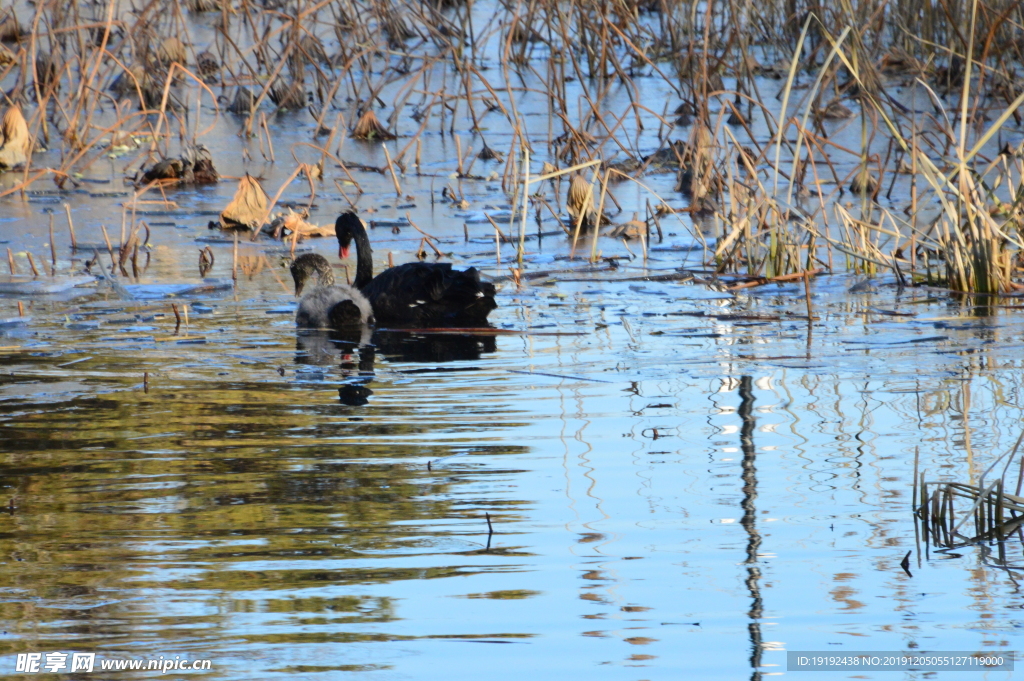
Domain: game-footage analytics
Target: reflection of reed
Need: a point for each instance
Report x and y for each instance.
(749, 522)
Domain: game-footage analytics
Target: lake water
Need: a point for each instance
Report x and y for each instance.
(633, 478)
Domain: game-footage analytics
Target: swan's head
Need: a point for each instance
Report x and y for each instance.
(311, 268)
(345, 228)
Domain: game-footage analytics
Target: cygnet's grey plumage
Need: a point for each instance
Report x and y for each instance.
(325, 304)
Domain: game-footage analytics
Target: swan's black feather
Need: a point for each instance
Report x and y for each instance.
(417, 293)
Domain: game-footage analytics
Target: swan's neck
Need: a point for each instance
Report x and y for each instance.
(364, 258)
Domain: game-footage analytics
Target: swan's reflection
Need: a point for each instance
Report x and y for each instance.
(354, 351)
(412, 346)
(328, 347)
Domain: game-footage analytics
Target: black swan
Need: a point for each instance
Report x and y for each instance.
(326, 304)
(416, 293)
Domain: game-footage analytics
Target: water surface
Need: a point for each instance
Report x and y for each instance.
(638, 478)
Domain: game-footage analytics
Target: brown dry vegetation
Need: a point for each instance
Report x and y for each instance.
(15, 143)
(248, 208)
(775, 204)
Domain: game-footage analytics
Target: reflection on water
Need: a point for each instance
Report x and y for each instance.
(695, 493)
(354, 351)
(624, 479)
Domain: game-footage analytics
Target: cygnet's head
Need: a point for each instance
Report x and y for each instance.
(312, 269)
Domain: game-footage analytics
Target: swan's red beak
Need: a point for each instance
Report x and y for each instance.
(343, 252)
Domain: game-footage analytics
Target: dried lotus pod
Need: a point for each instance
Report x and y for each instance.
(834, 110)
(10, 30)
(291, 96)
(195, 166)
(171, 50)
(197, 6)
(47, 71)
(207, 66)
(128, 82)
(369, 127)
(580, 202)
(634, 229)
(864, 182)
(243, 103)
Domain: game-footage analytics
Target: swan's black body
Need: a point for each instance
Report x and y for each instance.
(326, 305)
(416, 293)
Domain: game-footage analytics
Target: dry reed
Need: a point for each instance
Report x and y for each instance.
(772, 201)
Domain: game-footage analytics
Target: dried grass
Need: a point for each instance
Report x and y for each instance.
(772, 199)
